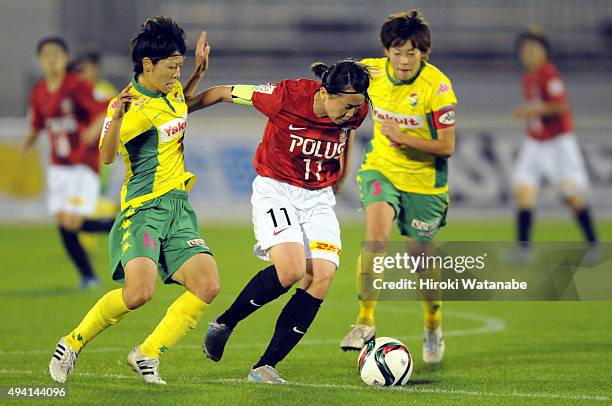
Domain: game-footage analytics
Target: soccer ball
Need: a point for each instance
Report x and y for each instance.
(385, 362)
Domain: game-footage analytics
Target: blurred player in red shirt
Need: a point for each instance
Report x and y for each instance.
(64, 107)
(550, 150)
(300, 162)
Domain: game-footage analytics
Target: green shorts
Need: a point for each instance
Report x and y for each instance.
(418, 216)
(164, 229)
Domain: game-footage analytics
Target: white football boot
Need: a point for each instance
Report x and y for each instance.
(433, 346)
(359, 335)
(146, 367)
(265, 374)
(62, 361)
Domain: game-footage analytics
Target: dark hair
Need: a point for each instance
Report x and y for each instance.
(342, 75)
(159, 39)
(51, 40)
(533, 34)
(406, 26)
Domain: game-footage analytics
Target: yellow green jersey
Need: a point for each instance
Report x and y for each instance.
(421, 106)
(151, 143)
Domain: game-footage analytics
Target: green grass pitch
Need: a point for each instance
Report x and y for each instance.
(497, 352)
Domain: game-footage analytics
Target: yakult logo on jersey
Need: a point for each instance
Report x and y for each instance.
(267, 89)
(173, 129)
(316, 148)
(404, 121)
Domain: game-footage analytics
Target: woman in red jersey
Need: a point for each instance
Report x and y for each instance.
(63, 106)
(551, 150)
(301, 159)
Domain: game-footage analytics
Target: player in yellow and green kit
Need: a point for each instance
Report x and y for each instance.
(405, 170)
(156, 231)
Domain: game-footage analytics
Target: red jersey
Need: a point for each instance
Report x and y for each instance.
(298, 147)
(64, 115)
(545, 86)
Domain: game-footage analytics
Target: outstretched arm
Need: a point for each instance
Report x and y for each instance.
(540, 109)
(210, 96)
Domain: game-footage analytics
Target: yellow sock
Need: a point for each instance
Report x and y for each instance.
(432, 314)
(109, 310)
(364, 278)
(182, 316)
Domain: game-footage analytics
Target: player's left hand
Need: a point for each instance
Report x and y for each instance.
(391, 130)
(201, 53)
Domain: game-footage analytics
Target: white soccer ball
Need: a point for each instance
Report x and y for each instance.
(385, 362)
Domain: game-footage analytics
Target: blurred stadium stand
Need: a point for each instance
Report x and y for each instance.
(257, 41)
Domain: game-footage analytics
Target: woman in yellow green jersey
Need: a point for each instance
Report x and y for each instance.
(404, 173)
(156, 231)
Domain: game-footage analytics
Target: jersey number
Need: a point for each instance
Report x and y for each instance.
(62, 145)
(318, 165)
(271, 212)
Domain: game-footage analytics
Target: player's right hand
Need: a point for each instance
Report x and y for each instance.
(123, 102)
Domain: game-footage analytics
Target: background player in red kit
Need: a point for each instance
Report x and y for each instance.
(551, 150)
(303, 155)
(63, 105)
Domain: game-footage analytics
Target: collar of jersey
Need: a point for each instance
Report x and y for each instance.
(402, 82)
(145, 91)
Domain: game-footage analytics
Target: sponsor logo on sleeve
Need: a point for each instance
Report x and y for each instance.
(107, 122)
(267, 88)
(555, 87)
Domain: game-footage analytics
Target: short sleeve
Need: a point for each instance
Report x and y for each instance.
(133, 124)
(443, 104)
(269, 98)
(553, 85)
(84, 95)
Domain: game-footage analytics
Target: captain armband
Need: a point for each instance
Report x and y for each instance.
(243, 94)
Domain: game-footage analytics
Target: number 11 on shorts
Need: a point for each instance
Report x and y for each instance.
(284, 210)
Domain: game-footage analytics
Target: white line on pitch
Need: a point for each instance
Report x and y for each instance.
(490, 325)
(200, 379)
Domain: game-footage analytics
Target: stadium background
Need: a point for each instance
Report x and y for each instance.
(266, 41)
(539, 345)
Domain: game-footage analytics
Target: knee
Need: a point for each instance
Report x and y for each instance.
(138, 296)
(290, 273)
(321, 283)
(378, 237)
(524, 195)
(206, 288)
(68, 224)
(209, 291)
